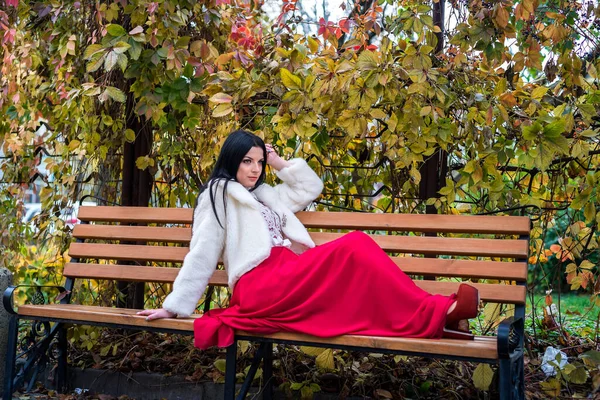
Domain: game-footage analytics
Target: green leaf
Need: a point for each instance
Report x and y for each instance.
(579, 376)
(115, 94)
(220, 364)
(589, 212)
(130, 135)
(93, 66)
(290, 80)
(306, 393)
(122, 62)
(482, 376)
(116, 30)
(91, 50)
(530, 132)
(121, 47)
(555, 129)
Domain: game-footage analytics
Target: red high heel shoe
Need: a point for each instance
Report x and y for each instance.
(467, 306)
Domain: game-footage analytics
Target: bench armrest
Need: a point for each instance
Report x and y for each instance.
(38, 298)
(511, 333)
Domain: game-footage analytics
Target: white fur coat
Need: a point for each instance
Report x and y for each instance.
(245, 242)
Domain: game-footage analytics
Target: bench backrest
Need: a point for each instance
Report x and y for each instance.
(490, 248)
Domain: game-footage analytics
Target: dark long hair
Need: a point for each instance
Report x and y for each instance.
(236, 146)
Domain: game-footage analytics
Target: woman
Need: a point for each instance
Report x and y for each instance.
(280, 280)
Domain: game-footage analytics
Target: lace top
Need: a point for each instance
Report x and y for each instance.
(274, 224)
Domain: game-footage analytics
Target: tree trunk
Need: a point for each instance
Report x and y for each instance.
(135, 191)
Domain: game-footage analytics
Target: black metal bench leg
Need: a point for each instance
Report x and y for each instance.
(268, 372)
(512, 377)
(61, 370)
(11, 355)
(230, 370)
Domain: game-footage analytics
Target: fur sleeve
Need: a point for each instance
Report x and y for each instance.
(206, 246)
(300, 186)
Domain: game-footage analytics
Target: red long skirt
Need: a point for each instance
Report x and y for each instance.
(347, 286)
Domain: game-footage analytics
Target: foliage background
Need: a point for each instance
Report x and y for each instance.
(508, 107)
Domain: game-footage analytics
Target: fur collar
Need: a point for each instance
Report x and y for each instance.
(264, 193)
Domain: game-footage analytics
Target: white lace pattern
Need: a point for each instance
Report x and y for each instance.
(274, 223)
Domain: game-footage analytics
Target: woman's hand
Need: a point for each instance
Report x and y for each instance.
(156, 314)
(273, 158)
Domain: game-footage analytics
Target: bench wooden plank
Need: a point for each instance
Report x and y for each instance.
(133, 233)
(440, 245)
(397, 244)
(330, 220)
(412, 266)
(128, 252)
(142, 215)
(393, 243)
(497, 293)
(481, 347)
(133, 273)
(416, 222)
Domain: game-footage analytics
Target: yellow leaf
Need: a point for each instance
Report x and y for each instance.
(482, 376)
(73, 144)
(290, 80)
(378, 113)
(538, 92)
(313, 44)
(312, 351)
(425, 111)
(585, 264)
(222, 110)
(552, 387)
(325, 360)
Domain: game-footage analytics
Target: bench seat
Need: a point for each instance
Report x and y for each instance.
(483, 347)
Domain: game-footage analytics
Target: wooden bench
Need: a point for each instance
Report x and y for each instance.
(495, 254)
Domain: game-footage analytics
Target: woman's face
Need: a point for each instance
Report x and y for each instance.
(250, 168)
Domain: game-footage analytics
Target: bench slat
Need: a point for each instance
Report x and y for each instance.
(481, 347)
(412, 266)
(416, 222)
(440, 245)
(128, 252)
(398, 244)
(133, 233)
(411, 244)
(330, 220)
(143, 215)
(499, 293)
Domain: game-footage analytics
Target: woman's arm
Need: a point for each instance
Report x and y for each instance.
(199, 264)
(301, 185)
